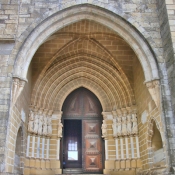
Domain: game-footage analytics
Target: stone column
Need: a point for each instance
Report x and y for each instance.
(38, 147)
(106, 149)
(47, 149)
(33, 146)
(137, 147)
(116, 147)
(121, 146)
(58, 149)
(28, 145)
(43, 147)
(55, 163)
(132, 147)
(126, 144)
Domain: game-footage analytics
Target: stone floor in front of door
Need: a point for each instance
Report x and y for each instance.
(73, 171)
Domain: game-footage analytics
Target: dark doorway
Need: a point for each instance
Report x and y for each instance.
(82, 126)
(72, 147)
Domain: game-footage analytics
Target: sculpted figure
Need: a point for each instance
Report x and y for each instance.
(49, 126)
(129, 124)
(119, 126)
(114, 127)
(40, 125)
(124, 128)
(36, 121)
(31, 122)
(60, 125)
(104, 129)
(44, 125)
(134, 124)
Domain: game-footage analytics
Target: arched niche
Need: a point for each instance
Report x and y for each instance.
(156, 141)
(18, 152)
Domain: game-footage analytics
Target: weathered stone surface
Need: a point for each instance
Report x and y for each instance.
(152, 20)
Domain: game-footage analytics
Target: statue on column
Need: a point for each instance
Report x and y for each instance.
(49, 126)
(119, 127)
(45, 125)
(134, 124)
(36, 122)
(129, 124)
(124, 129)
(104, 129)
(31, 122)
(40, 125)
(114, 127)
(60, 125)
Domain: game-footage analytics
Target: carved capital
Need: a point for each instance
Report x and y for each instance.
(18, 85)
(56, 115)
(124, 112)
(107, 115)
(119, 112)
(154, 90)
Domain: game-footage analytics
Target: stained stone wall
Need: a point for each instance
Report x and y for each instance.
(154, 20)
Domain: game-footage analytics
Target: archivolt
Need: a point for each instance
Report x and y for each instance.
(75, 14)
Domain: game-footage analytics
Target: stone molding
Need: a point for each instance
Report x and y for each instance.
(154, 90)
(17, 87)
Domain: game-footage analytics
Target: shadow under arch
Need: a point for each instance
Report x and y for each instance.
(74, 14)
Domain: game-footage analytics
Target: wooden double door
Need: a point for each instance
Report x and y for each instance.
(82, 142)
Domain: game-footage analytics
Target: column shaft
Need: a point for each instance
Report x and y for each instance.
(33, 146)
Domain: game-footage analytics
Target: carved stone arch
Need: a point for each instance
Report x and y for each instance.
(103, 102)
(19, 150)
(150, 132)
(75, 14)
(156, 151)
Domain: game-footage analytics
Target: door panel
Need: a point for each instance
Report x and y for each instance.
(92, 146)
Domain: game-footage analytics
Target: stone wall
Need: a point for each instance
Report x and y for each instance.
(18, 119)
(166, 20)
(19, 18)
(146, 111)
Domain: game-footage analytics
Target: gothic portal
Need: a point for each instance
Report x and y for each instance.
(82, 141)
(87, 86)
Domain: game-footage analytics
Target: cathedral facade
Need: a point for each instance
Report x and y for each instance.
(87, 87)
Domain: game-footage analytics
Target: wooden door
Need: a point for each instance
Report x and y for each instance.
(92, 148)
(83, 105)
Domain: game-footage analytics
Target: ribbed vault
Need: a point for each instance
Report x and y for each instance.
(84, 54)
(83, 61)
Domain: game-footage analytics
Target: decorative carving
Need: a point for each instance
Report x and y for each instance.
(44, 125)
(119, 127)
(134, 125)
(40, 123)
(154, 90)
(129, 124)
(104, 129)
(125, 122)
(31, 122)
(60, 126)
(49, 126)
(18, 85)
(36, 122)
(124, 128)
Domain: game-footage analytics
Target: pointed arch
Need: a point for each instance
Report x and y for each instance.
(75, 14)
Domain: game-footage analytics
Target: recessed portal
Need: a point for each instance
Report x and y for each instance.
(82, 142)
